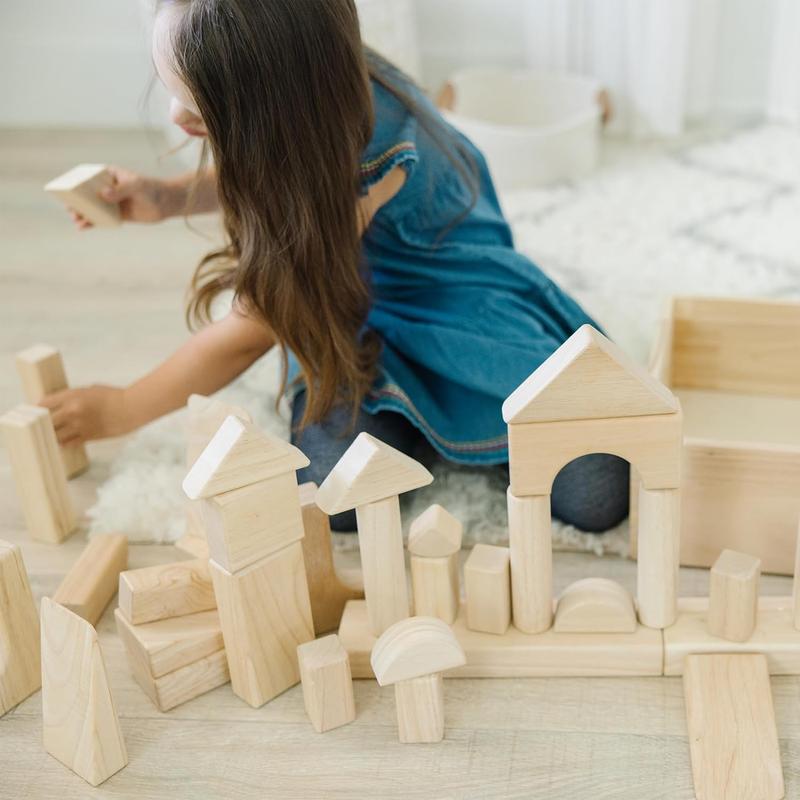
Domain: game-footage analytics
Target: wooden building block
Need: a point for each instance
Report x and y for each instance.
(41, 370)
(161, 647)
(419, 703)
(523, 655)
(265, 613)
(80, 725)
(193, 544)
(166, 590)
(733, 596)
(244, 525)
(38, 473)
(20, 673)
(530, 545)
(488, 590)
(327, 590)
(796, 582)
(239, 454)
(435, 533)
(91, 583)
(732, 735)
(595, 605)
(204, 418)
(327, 683)
(79, 189)
(652, 444)
(435, 585)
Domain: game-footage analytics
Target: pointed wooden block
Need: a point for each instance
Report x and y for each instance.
(327, 684)
(435, 533)
(41, 371)
(435, 585)
(20, 673)
(369, 471)
(38, 473)
(79, 189)
(732, 736)
(93, 579)
(238, 455)
(80, 725)
(487, 587)
(733, 596)
(595, 605)
(588, 377)
(204, 418)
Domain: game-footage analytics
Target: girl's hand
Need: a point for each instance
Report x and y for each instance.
(93, 412)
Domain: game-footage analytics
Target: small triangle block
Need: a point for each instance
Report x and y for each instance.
(238, 455)
(369, 471)
(588, 377)
(435, 533)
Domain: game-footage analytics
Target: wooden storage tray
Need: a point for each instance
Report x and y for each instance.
(735, 365)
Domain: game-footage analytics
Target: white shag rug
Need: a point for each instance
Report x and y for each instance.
(719, 217)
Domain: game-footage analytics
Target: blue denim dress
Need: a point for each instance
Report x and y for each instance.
(464, 317)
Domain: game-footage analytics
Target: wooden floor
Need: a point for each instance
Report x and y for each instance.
(113, 302)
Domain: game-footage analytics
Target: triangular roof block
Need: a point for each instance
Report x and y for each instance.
(239, 455)
(205, 415)
(435, 533)
(588, 377)
(369, 471)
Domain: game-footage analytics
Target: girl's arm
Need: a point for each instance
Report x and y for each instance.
(210, 360)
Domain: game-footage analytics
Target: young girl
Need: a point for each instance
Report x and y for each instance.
(364, 239)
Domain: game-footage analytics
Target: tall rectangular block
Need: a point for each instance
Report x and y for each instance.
(488, 589)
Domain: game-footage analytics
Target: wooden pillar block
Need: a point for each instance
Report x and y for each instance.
(659, 556)
(530, 546)
(435, 586)
(732, 736)
(166, 590)
(91, 583)
(327, 683)
(20, 673)
(487, 587)
(733, 596)
(80, 725)
(79, 189)
(265, 613)
(420, 709)
(38, 473)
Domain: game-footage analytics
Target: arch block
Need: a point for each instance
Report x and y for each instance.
(595, 605)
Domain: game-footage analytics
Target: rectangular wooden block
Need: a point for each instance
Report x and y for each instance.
(487, 585)
(38, 473)
(166, 590)
(265, 614)
(775, 636)
(327, 683)
(732, 735)
(167, 645)
(435, 585)
(247, 524)
(733, 596)
(521, 655)
(419, 704)
(79, 189)
(41, 371)
(93, 579)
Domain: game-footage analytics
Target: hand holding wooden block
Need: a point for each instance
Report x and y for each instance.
(733, 596)
(79, 189)
(327, 683)
(488, 590)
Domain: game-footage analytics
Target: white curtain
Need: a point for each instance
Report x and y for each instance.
(670, 62)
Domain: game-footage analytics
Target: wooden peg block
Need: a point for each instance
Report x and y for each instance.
(733, 596)
(38, 473)
(20, 673)
(434, 583)
(487, 587)
(166, 590)
(41, 370)
(420, 709)
(79, 189)
(80, 725)
(327, 683)
(595, 605)
(435, 533)
(732, 736)
(265, 613)
(91, 583)
(247, 524)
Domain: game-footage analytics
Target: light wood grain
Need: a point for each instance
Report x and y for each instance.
(20, 673)
(796, 582)
(487, 589)
(595, 605)
(91, 583)
(435, 587)
(420, 709)
(733, 596)
(80, 725)
(732, 735)
(79, 189)
(41, 371)
(204, 418)
(435, 533)
(166, 590)
(327, 683)
(192, 543)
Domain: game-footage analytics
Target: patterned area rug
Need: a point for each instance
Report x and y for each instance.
(716, 217)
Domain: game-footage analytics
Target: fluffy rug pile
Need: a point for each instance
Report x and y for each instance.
(717, 217)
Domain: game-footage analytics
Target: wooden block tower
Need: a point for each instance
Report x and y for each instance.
(251, 512)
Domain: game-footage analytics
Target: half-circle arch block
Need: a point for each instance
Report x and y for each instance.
(595, 605)
(435, 533)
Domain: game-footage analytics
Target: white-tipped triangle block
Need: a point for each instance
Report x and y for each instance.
(588, 377)
(369, 471)
(238, 455)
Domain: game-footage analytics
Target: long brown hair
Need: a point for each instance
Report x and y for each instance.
(283, 87)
